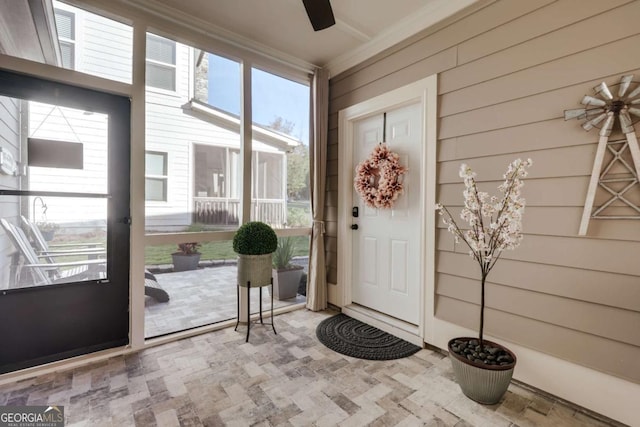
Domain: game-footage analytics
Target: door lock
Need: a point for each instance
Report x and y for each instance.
(354, 226)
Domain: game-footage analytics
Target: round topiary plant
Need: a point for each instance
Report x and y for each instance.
(255, 238)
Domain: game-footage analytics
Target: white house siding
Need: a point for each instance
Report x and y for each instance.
(171, 131)
(506, 73)
(104, 47)
(65, 124)
(10, 122)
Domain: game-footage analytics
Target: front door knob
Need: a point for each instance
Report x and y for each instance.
(354, 226)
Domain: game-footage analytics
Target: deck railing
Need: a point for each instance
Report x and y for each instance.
(221, 211)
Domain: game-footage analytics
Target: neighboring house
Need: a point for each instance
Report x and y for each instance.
(192, 149)
(506, 72)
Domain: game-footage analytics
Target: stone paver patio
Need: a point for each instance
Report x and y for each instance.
(200, 297)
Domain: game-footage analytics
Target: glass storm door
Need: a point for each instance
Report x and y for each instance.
(64, 214)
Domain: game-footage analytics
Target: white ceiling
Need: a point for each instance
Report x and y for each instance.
(281, 27)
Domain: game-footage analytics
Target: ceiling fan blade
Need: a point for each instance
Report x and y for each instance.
(591, 123)
(577, 113)
(590, 100)
(634, 93)
(603, 89)
(320, 14)
(626, 124)
(608, 125)
(625, 81)
(635, 111)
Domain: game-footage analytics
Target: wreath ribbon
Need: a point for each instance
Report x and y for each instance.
(379, 178)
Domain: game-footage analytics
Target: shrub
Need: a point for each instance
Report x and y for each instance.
(255, 238)
(298, 217)
(188, 248)
(283, 254)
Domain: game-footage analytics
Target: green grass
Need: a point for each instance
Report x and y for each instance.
(156, 255)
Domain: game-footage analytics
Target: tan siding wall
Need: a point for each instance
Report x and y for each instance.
(506, 73)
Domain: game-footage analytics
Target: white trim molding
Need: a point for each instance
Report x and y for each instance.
(425, 92)
(605, 394)
(431, 14)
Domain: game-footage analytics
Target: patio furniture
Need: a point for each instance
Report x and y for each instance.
(51, 272)
(153, 289)
(248, 285)
(45, 272)
(93, 250)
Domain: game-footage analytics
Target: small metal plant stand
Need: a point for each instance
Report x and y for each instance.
(249, 286)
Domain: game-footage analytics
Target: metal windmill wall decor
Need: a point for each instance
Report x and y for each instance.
(603, 111)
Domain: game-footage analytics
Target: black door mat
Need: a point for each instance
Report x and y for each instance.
(353, 338)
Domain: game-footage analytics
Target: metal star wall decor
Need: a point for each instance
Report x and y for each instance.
(603, 111)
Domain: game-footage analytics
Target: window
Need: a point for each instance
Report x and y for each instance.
(268, 175)
(280, 179)
(65, 24)
(218, 82)
(161, 62)
(155, 184)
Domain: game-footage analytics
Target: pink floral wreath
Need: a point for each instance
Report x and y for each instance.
(379, 178)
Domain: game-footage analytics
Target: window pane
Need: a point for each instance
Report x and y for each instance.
(32, 134)
(53, 126)
(206, 294)
(161, 49)
(202, 189)
(64, 24)
(161, 77)
(156, 164)
(106, 49)
(280, 160)
(53, 240)
(218, 82)
(155, 189)
(210, 171)
(66, 49)
(107, 45)
(268, 175)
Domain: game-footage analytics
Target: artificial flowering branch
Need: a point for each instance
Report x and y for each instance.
(495, 224)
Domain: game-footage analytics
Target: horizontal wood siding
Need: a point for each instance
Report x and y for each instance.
(506, 74)
(106, 47)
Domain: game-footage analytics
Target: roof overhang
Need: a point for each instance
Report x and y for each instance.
(28, 30)
(231, 123)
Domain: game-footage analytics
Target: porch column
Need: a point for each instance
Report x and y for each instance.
(246, 136)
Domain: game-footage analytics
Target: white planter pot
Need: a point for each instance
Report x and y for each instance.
(255, 269)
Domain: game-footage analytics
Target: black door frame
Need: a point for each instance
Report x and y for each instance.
(49, 323)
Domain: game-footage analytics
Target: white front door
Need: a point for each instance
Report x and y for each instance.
(386, 252)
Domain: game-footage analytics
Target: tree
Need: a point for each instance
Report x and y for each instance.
(298, 173)
(282, 125)
(297, 162)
